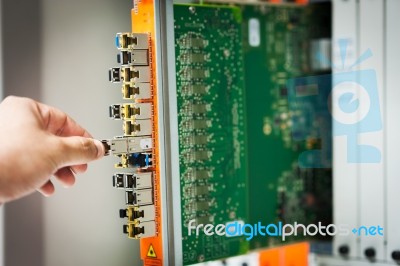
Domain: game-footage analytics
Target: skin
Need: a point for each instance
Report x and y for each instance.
(37, 142)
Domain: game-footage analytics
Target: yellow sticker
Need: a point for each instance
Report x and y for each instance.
(151, 253)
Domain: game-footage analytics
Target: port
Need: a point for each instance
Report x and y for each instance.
(134, 58)
(118, 181)
(124, 145)
(132, 40)
(135, 74)
(131, 111)
(138, 180)
(138, 214)
(135, 160)
(139, 197)
(142, 230)
(137, 127)
(129, 74)
(114, 74)
(135, 91)
(133, 181)
(124, 162)
(115, 111)
(141, 160)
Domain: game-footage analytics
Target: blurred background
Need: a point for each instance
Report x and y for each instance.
(58, 52)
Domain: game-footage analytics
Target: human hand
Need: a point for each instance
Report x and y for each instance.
(36, 142)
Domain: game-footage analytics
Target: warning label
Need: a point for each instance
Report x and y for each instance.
(151, 253)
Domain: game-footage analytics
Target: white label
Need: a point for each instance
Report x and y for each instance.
(145, 143)
(254, 32)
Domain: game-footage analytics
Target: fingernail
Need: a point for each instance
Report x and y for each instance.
(100, 148)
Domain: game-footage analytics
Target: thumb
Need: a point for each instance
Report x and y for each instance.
(78, 150)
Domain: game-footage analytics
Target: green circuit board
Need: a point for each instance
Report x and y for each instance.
(278, 133)
(240, 136)
(212, 135)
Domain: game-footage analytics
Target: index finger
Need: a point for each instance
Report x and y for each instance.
(59, 123)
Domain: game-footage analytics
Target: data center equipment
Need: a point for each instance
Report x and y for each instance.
(229, 120)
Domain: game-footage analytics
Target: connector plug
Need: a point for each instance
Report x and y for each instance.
(127, 40)
(137, 127)
(139, 197)
(132, 91)
(142, 180)
(135, 160)
(134, 58)
(142, 230)
(131, 111)
(139, 214)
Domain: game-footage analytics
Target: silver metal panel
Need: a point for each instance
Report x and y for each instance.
(345, 175)
(372, 174)
(392, 135)
(171, 186)
(177, 256)
(163, 77)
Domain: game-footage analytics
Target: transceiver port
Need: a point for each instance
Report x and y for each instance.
(144, 229)
(131, 111)
(132, 41)
(136, 160)
(134, 58)
(138, 214)
(137, 127)
(138, 180)
(132, 91)
(139, 197)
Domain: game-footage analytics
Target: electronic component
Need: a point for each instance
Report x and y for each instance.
(197, 206)
(194, 89)
(135, 160)
(193, 174)
(137, 73)
(193, 41)
(114, 75)
(192, 191)
(231, 98)
(193, 57)
(134, 58)
(195, 156)
(136, 91)
(124, 145)
(139, 180)
(130, 74)
(131, 111)
(195, 124)
(138, 127)
(191, 73)
(144, 229)
(211, 119)
(195, 140)
(138, 214)
(118, 181)
(139, 197)
(128, 40)
(196, 109)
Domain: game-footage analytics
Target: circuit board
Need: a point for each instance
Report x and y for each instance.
(211, 116)
(253, 83)
(277, 45)
(245, 141)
